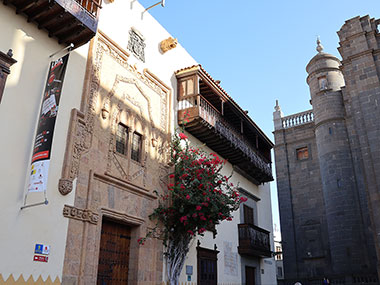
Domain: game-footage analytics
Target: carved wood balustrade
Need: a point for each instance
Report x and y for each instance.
(253, 241)
(197, 109)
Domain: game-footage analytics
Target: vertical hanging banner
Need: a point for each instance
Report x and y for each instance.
(45, 130)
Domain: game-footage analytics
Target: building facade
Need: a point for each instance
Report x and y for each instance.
(242, 250)
(23, 77)
(126, 85)
(326, 164)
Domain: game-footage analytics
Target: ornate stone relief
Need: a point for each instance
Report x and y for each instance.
(65, 186)
(82, 124)
(84, 215)
(168, 44)
(77, 143)
(136, 45)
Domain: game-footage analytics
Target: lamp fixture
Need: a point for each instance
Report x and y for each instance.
(162, 2)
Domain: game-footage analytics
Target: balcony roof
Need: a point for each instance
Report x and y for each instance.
(70, 21)
(215, 87)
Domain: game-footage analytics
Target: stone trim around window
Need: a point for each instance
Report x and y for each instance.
(6, 61)
(302, 153)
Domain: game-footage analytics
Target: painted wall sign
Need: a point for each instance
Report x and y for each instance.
(45, 130)
(42, 249)
(40, 258)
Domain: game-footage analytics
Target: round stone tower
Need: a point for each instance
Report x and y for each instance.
(343, 214)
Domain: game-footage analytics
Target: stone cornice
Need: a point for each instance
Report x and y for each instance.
(363, 53)
(124, 185)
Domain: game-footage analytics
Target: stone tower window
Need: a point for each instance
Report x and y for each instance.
(323, 83)
(302, 153)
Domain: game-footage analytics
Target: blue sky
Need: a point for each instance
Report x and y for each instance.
(259, 49)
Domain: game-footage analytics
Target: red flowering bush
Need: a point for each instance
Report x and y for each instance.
(199, 197)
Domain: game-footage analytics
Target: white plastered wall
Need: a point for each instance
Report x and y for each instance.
(19, 110)
(227, 239)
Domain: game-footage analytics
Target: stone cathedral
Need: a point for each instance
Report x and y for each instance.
(328, 165)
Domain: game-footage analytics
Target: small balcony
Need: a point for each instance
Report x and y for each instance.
(69, 21)
(253, 241)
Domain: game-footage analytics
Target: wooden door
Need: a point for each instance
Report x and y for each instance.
(114, 254)
(250, 275)
(207, 266)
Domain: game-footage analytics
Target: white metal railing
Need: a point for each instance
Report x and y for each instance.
(297, 119)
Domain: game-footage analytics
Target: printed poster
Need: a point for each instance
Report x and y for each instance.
(46, 123)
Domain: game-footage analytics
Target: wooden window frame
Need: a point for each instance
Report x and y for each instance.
(206, 254)
(303, 153)
(6, 61)
(126, 139)
(134, 157)
(249, 217)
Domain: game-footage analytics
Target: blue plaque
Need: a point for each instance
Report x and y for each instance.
(38, 249)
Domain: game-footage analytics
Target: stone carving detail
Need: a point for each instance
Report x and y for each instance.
(168, 44)
(78, 143)
(133, 101)
(78, 149)
(83, 124)
(136, 45)
(164, 177)
(65, 186)
(84, 215)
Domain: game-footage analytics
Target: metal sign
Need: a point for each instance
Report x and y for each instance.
(42, 249)
(40, 258)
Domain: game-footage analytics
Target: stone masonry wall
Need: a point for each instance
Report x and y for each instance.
(359, 48)
(303, 222)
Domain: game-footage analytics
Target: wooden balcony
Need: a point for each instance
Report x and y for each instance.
(218, 121)
(69, 21)
(207, 124)
(253, 241)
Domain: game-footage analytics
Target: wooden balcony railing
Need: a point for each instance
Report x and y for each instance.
(91, 6)
(214, 118)
(253, 241)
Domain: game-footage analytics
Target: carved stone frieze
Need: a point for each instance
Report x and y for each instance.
(65, 186)
(77, 144)
(84, 215)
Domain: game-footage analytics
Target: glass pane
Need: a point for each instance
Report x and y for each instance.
(136, 147)
(121, 139)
